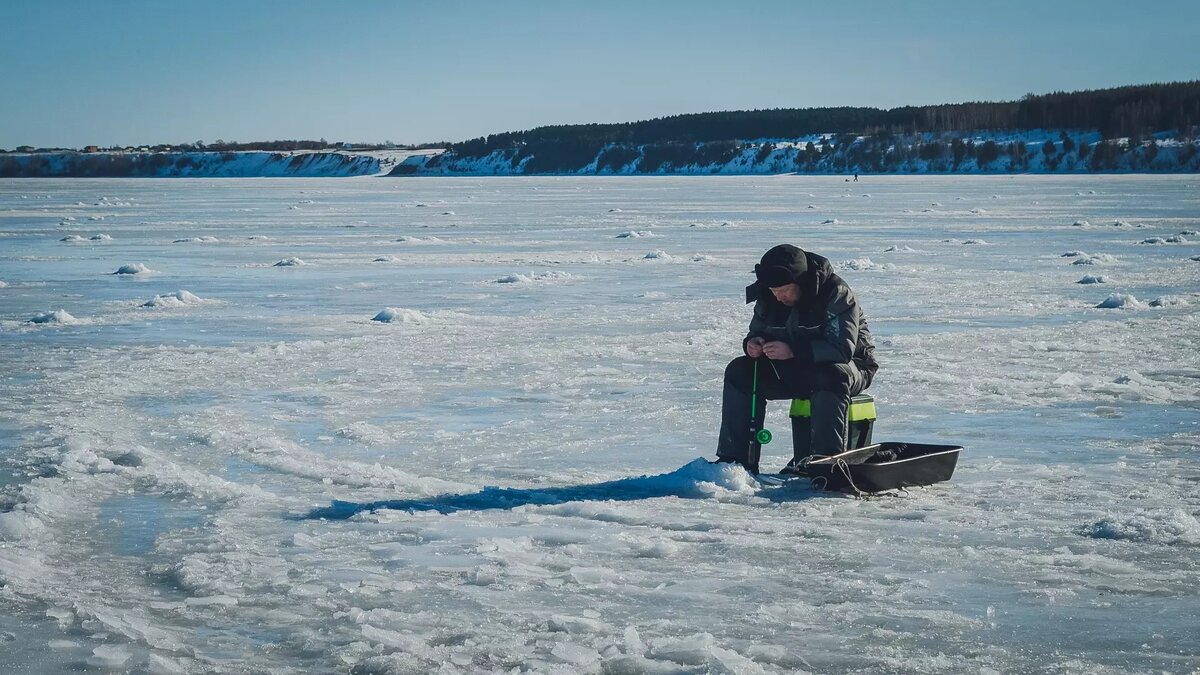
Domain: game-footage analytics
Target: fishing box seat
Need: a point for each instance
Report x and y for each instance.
(859, 422)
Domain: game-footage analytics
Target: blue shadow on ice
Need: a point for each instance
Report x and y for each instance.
(695, 480)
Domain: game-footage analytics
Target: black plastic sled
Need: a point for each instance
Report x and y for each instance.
(884, 466)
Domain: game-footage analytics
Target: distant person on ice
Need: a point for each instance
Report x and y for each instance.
(809, 339)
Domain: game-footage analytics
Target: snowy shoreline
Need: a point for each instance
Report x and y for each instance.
(1007, 153)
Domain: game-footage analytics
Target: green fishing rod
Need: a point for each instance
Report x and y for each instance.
(759, 436)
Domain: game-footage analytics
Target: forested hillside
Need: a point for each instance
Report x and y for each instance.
(1089, 131)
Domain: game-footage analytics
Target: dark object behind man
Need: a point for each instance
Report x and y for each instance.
(808, 325)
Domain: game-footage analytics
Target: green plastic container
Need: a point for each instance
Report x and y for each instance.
(860, 422)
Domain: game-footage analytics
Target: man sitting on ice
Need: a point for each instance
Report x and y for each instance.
(814, 337)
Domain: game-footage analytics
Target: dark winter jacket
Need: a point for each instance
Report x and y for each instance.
(825, 326)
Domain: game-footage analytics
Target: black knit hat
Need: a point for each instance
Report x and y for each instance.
(782, 265)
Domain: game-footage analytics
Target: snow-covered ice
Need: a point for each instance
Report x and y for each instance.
(499, 477)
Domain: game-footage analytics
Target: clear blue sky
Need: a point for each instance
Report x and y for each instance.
(79, 72)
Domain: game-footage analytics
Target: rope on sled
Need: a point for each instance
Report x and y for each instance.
(820, 483)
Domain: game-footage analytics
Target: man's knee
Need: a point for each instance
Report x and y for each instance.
(739, 370)
(832, 379)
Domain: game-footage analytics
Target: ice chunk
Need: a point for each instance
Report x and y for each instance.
(1174, 527)
(109, 656)
(636, 234)
(134, 268)
(1118, 301)
(1097, 259)
(533, 277)
(1171, 301)
(831, 221)
(400, 315)
(975, 242)
(575, 653)
(861, 265)
(210, 600)
(179, 298)
(1093, 279)
(658, 255)
(1081, 223)
(1153, 240)
(290, 262)
(198, 240)
(57, 316)
(898, 249)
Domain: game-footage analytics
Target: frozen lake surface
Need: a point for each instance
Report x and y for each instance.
(542, 378)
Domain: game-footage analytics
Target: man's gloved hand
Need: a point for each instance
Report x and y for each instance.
(754, 347)
(777, 351)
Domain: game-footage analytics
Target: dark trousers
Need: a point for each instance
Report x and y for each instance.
(827, 386)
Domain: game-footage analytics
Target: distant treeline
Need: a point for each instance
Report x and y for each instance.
(1125, 112)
